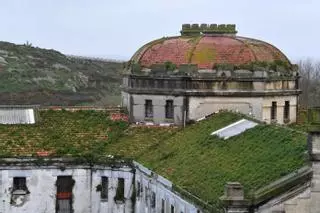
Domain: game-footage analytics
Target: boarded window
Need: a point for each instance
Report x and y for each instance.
(104, 188)
(120, 190)
(274, 110)
(172, 209)
(286, 111)
(148, 109)
(162, 205)
(169, 109)
(153, 200)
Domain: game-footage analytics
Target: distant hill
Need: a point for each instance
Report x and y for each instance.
(31, 75)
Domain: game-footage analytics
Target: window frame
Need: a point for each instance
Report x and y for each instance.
(273, 112)
(169, 109)
(286, 111)
(148, 109)
(104, 188)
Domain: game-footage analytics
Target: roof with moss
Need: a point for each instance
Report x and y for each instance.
(207, 46)
(191, 158)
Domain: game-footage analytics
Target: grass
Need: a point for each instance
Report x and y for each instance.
(202, 164)
(61, 132)
(190, 157)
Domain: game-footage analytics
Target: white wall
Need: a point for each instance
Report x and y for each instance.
(86, 199)
(267, 102)
(163, 189)
(41, 183)
(202, 106)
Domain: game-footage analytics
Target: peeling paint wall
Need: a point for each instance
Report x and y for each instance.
(152, 183)
(86, 196)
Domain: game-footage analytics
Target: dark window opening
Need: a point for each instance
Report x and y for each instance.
(274, 110)
(64, 194)
(20, 183)
(148, 109)
(139, 189)
(172, 208)
(153, 200)
(169, 109)
(120, 190)
(162, 205)
(286, 115)
(104, 188)
(146, 194)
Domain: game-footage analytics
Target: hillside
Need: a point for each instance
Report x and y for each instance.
(31, 75)
(190, 157)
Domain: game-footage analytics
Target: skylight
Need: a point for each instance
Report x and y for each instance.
(17, 116)
(234, 128)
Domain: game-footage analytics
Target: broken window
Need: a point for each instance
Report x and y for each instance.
(64, 194)
(286, 112)
(274, 111)
(104, 188)
(172, 209)
(148, 109)
(19, 191)
(169, 109)
(120, 190)
(153, 200)
(20, 184)
(162, 205)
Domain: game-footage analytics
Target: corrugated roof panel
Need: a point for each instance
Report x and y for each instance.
(17, 116)
(234, 128)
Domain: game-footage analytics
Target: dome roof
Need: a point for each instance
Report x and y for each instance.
(207, 50)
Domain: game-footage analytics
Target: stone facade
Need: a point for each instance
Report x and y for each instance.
(194, 98)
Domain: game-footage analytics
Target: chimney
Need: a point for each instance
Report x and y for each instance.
(233, 198)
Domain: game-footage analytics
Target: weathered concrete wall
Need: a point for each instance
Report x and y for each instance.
(86, 196)
(152, 183)
(202, 106)
(267, 102)
(159, 102)
(41, 184)
(289, 202)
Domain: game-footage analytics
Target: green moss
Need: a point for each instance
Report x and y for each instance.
(204, 55)
(202, 164)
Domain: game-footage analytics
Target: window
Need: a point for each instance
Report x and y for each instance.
(20, 184)
(120, 190)
(162, 205)
(104, 188)
(172, 209)
(138, 191)
(286, 112)
(153, 200)
(148, 109)
(274, 111)
(146, 194)
(169, 109)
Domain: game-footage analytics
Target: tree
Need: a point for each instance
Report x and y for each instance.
(309, 83)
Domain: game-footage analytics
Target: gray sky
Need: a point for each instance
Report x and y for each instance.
(116, 28)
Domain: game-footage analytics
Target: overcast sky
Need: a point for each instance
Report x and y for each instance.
(116, 28)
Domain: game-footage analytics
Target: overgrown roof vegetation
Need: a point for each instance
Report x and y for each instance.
(190, 157)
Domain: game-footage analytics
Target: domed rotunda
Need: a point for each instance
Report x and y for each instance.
(209, 68)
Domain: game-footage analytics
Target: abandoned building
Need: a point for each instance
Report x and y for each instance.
(44, 167)
(208, 68)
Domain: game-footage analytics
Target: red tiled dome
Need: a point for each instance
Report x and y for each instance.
(206, 51)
